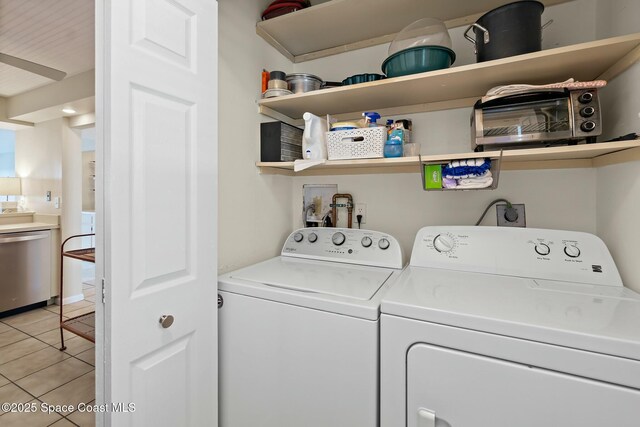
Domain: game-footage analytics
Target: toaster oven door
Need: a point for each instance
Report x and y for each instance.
(529, 122)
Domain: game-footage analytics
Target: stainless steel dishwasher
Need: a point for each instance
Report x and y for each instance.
(25, 268)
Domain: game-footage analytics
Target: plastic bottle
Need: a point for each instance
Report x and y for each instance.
(371, 118)
(314, 146)
(393, 145)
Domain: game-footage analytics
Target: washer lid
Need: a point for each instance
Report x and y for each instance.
(597, 318)
(329, 278)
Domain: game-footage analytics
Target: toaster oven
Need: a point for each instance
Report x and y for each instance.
(536, 118)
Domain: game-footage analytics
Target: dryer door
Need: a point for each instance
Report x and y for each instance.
(450, 388)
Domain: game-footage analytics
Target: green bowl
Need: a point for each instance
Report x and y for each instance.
(362, 78)
(418, 60)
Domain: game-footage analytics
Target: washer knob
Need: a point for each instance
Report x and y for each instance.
(572, 251)
(443, 243)
(338, 238)
(383, 244)
(543, 249)
(366, 241)
(298, 237)
(313, 237)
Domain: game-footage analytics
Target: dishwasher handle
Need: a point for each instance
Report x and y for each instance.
(14, 239)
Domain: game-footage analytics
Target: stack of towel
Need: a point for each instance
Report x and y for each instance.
(467, 174)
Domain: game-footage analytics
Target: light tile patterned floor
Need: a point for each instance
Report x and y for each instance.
(33, 369)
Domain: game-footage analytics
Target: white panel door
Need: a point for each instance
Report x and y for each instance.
(157, 117)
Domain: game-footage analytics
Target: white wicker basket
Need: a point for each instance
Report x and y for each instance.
(362, 143)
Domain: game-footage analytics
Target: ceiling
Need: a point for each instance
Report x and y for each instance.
(55, 33)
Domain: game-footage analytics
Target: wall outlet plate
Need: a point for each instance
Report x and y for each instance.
(361, 209)
(501, 211)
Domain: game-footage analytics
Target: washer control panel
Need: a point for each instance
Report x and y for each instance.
(354, 246)
(524, 252)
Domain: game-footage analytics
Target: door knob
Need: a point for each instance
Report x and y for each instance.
(166, 320)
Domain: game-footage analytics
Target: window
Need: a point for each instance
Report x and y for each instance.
(7, 152)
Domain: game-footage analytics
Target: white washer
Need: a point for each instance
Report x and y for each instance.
(299, 333)
(507, 327)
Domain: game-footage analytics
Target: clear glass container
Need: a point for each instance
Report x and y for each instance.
(423, 32)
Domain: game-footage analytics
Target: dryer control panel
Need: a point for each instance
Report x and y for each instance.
(348, 245)
(523, 252)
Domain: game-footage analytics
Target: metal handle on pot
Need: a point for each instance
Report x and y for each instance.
(481, 28)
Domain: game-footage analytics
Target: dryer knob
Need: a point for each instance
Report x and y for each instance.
(313, 237)
(338, 238)
(444, 243)
(572, 251)
(366, 241)
(543, 249)
(298, 237)
(383, 244)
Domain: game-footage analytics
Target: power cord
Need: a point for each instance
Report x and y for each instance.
(359, 220)
(511, 214)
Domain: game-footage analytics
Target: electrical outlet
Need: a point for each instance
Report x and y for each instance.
(48, 196)
(361, 209)
(56, 202)
(509, 218)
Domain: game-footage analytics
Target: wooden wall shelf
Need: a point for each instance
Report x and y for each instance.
(576, 156)
(344, 25)
(460, 86)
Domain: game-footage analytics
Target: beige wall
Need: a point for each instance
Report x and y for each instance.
(39, 163)
(48, 158)
(618, 186)
(398, 205)
(257, 212)
(254, 210)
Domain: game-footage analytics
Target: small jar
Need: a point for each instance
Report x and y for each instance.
(392, 149)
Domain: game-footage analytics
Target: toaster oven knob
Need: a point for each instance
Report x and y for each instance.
(585, 98)
(588, 126)
(587, 111)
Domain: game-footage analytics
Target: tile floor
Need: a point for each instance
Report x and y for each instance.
(34, 370)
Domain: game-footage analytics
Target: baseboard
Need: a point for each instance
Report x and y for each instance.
(73, 298)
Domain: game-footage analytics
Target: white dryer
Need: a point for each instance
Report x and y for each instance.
(507, 327)
(299, 333)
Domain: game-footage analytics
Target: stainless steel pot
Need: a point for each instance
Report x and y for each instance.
(300, 82)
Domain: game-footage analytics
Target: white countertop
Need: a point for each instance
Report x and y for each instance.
(27, 226)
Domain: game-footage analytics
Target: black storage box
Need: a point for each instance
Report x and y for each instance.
(280, 142)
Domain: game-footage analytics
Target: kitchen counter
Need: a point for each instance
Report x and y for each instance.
(27, 226)
(28, 221)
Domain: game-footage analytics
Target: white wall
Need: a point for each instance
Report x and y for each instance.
(618, 186)
(254, 210)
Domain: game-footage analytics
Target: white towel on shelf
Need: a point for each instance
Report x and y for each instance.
(475, 183)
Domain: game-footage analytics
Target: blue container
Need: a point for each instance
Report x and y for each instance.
(418, 60)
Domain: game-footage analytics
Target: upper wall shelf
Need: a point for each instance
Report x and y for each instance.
(344, 25)
(461, 86)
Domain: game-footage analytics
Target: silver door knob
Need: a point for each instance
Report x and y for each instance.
(166, 320)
